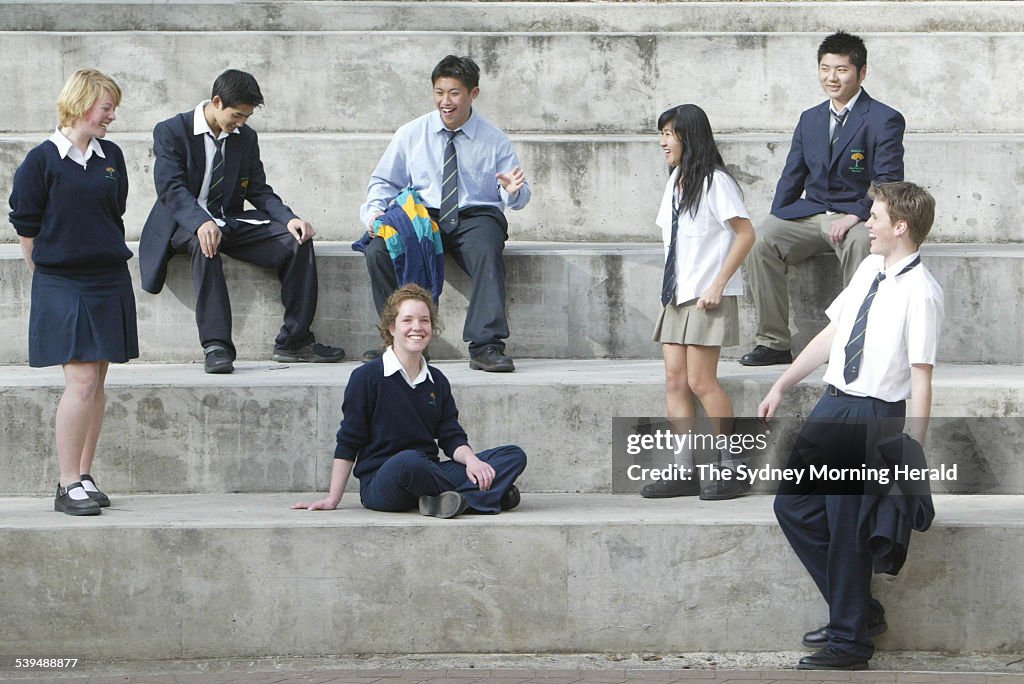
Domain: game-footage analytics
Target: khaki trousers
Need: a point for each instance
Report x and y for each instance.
(782, 243)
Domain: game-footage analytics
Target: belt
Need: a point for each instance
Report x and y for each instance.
(836, 392)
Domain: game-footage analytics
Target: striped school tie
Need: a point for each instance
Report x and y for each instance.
(215, 196)
(668, 281)
(840, 120)
(449, 209)
(855, 347)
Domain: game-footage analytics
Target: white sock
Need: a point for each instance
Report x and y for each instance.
(77, 494)
(90, 486)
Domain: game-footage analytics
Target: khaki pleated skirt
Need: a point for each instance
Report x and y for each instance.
(684, 324)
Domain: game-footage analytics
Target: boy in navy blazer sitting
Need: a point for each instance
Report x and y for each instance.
(207, 165)
(840, 148)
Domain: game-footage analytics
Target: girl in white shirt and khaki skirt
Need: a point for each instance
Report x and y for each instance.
(707, 234)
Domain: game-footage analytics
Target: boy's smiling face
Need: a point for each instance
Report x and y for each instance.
(885, 237)
(454, 101)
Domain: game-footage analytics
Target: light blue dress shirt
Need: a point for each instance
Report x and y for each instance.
(415, 158)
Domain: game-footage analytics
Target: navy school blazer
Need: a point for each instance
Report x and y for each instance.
(817, 179)
(178, 169)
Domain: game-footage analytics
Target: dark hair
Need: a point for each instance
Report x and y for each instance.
(462, 68)
(390, 313)
(843, 43)
(235, 87)
(905, 201)
(700, 155)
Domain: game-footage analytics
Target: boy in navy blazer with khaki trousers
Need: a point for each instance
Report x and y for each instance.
(840, 148)
(207, 166)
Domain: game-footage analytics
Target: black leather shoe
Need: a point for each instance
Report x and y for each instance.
(666, 489)
(444, 505)
(765, 356)
(511, 498)
(310, 353)
(818, 638)
(218, 360)
(721, 490)
(65, 504)
(99, 497)
(492, 361)
(831, 658)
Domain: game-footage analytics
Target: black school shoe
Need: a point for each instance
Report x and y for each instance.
(511, 498)
(218, 360)
(722, 490)
(818, 638)
(99, 497)
(444, 505)
(310, 353)
(766, 356)
(65, 504)
(831, 658)
(666, 489)
(492, 360)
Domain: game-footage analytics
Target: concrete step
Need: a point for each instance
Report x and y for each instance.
(592, 17)
(569, 82)
(565, 300)
(599, 187)
(176, 577)
(268, 427)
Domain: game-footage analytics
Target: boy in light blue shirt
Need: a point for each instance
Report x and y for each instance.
(467, 173)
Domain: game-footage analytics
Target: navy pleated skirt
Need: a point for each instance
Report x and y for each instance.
(82, 317)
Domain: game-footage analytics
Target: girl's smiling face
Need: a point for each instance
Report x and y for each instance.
(411, 329)
(672, 145)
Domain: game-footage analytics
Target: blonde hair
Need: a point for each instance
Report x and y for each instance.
(82, 91)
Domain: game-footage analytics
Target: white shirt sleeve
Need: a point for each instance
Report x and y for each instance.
(835, 309)
(725, 200)
(923, 322)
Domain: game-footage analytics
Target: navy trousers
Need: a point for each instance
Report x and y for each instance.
(269, 245)
(476, 245)
(405, 477)
(822, 527)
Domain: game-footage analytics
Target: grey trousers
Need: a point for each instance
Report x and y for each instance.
(477, 245)
(782, 243)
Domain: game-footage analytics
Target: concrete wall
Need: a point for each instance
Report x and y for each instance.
(564, 301)
(266, 428)
(201, 577)
(596, 188)
(669, 17)
(618, 84)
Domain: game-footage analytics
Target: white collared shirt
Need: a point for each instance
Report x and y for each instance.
(392, 365)
(848, 108)
(66, 148)
(200, 127)
(902, 328)
(704, 240)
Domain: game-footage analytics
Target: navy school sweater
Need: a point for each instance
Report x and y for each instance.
(73, 213)
(383, 416)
